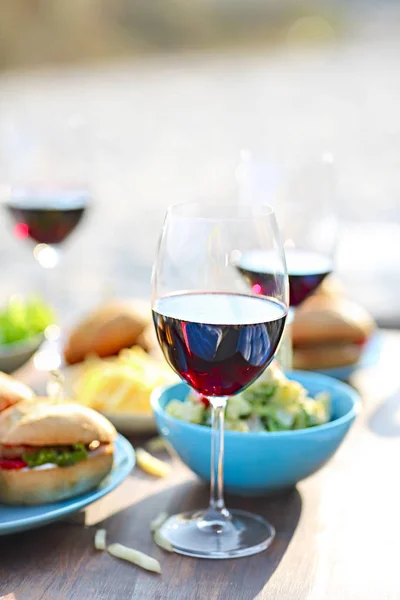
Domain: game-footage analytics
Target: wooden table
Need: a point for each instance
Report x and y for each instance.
(337, 534)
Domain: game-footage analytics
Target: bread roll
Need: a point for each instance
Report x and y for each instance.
(325, 320)
(47, 423)
(113, 326)
(148, 341)
(12, 391)
(325, 356)
(331, 287)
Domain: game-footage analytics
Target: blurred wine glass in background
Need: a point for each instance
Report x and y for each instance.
(45, 192)
(303, 196)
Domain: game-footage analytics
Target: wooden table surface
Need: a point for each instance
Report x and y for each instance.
(337, 538)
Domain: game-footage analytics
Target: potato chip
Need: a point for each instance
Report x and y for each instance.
(121, 384)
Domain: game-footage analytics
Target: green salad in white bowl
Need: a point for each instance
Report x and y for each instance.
(23, 322)
(272, 403)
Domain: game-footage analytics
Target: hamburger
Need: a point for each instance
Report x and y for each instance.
(115, 325)
(52, 451)
(12, 391)
(329, 331)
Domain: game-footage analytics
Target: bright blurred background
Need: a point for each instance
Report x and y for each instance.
(168, 93)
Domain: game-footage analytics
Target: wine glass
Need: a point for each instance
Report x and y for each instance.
(303, 197)
(46, 215)
(45, 192)
(219, 336)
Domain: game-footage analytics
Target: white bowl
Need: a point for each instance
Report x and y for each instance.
(13, 356)
(126, 423)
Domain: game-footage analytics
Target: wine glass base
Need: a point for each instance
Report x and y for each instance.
(243, 535)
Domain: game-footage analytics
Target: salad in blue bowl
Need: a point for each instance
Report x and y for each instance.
(280, 430)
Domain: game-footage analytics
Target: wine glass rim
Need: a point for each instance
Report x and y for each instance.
(222, 210)
(64, 195)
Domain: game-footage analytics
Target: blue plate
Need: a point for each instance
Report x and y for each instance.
(369, 357)
(20, 518)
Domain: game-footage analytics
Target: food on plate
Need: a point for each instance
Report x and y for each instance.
(152, 465)
(271, 403)
(329, 331)
(51, 451)
(100, 539)
(111, 327)
(123, 384)
(12, 391)
(134, 556)
(22, 319)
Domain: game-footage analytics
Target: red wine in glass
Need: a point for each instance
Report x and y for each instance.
(219, 343)
(47, 216)
(306, 271)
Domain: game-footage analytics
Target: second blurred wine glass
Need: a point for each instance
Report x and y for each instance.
(303, 196)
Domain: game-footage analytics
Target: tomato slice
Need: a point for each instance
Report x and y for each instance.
(12, 463)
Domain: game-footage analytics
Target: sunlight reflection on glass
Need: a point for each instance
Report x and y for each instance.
(47, 359)
(46, 255)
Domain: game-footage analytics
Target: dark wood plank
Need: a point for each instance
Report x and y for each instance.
(337, 532)
(61, 556)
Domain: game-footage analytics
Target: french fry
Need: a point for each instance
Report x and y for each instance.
(100, 539)
(158, 521)
(156, 444)
(160, 444)
(170, 449)
(162, 541)
(135, 557)
(152, 465)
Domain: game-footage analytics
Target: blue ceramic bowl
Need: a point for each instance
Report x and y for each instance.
(265, 462)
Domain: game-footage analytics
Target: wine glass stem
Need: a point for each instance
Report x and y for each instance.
(49, 357)
(217, 508)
